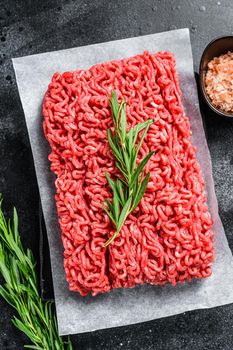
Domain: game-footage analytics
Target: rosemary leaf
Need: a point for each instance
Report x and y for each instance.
(140, 192)
(140, 168)
(109, 204)
(116, 205)
(136, 132)
(114, 107)
(7, 296)
(118, 165)
(111, 182)
(120, 190)
(114, 149)
(149, 122)
(123, 122)
(111, 217)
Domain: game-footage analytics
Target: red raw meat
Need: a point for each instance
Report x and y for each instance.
(168, 237)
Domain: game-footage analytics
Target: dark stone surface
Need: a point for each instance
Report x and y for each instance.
(28, 27)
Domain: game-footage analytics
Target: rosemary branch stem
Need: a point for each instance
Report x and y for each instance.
(129, 189)
(36, 318)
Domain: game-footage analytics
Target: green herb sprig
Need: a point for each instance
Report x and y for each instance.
(36, 318)
(130, 188)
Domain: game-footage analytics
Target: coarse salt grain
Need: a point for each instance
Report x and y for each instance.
(219, 82)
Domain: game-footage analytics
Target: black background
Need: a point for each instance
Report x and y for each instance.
(28, 27)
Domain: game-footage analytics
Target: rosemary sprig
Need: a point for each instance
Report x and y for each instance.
(36, 318)
(130, 188)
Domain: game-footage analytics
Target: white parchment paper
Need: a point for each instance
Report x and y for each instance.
(143, 303)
